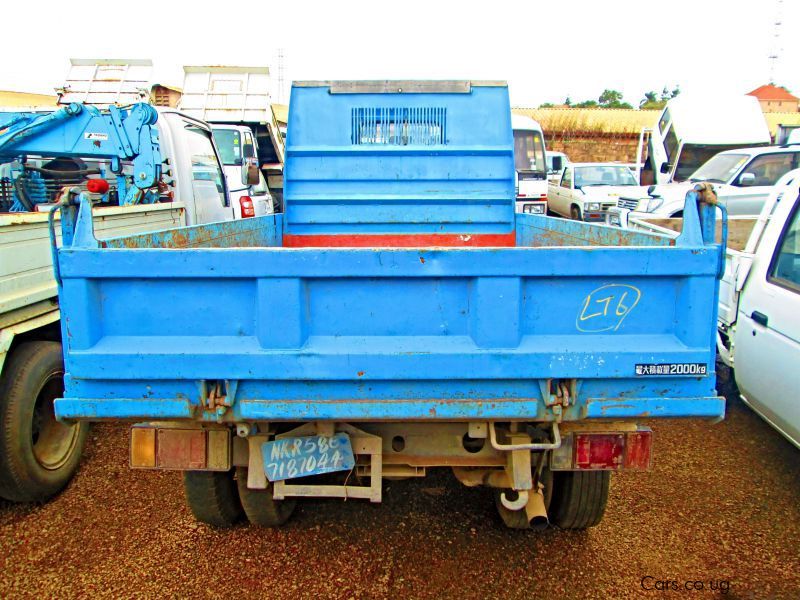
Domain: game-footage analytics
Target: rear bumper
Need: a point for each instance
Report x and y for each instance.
(388, 410)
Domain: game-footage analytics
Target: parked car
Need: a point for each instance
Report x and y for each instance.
(759, 332)
(743, 179)
(585, 191)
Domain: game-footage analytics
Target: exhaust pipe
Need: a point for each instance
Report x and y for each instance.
(536, 511)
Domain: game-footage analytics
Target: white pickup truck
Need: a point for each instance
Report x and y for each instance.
(586, 191)
(759, 309)
(759, 302)
(247, 187)
(38, 455)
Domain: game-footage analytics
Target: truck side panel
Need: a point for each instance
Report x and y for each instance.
(389, 333)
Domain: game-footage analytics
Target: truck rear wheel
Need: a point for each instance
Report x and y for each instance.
(578, 498)
(259, 505)
(212, 497)
(38, 455)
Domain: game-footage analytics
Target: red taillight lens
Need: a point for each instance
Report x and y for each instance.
(614, 451)
(246, 204)
(599, 451)
(638, 446)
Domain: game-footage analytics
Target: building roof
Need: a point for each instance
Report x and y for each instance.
(772, 92)
(172, 88)
(8, 98)
(597, 120)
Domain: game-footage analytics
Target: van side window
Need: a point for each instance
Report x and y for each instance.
(671, 144)
(662, 123)
(768, 168)
(566, 179)
(206, 171)
(785, 267)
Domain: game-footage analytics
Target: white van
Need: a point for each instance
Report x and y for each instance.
(691, 130)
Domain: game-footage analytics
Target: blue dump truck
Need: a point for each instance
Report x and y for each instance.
(398, 317)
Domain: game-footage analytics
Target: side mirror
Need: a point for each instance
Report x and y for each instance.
(747, 179)
(250, 172)
(557, 164)
(665, 168)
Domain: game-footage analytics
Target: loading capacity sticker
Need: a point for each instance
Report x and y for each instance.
(672, 369)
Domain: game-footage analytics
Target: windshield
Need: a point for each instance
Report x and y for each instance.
(529, 151)
(229, 145)
(720, 168)
(694, 155)
(604, 175)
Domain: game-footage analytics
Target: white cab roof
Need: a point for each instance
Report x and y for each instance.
(718, 120)
(521, 122)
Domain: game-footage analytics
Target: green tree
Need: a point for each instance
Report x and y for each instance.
(654, 101)
(609, 97)
(612, 99)
(650, 99)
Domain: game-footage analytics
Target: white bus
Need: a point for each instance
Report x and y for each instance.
(530, 165)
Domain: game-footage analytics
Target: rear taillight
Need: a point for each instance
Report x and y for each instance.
(246, 204)
(598, 451)
(638, 447)
(604, 451)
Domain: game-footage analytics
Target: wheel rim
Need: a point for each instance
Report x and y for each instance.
(53, 442)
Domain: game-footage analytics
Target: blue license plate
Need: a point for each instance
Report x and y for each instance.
(288, 458)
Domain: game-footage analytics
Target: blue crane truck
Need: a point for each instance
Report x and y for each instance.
(131, 163)
(398, 317)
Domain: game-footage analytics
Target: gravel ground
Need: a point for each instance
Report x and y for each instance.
(722, 504)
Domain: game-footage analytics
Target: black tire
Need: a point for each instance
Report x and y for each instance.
(259, 505)
(579, 498)
(212, 497)
(38, 455)
(575, 213)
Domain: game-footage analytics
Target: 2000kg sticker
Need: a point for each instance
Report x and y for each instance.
(672, 369)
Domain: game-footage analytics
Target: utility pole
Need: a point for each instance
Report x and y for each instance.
(281, 82)
(776, 49)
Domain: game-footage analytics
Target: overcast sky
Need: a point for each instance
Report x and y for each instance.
(545, 50)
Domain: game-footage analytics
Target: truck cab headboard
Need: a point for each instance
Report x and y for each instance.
(399, 163)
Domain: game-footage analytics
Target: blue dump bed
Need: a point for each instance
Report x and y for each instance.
(399, 285)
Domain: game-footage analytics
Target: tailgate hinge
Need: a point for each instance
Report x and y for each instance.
(218, 395)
